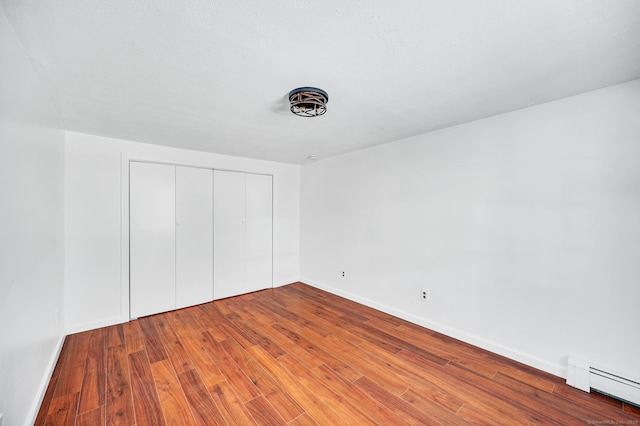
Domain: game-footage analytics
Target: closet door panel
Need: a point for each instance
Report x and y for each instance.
(152, 238)
(259, 232)
(229, 233)
(194, 236)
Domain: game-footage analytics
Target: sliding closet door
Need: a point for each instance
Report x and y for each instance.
(152, 238)
(194, 236)
(259, 232)
(229, 235)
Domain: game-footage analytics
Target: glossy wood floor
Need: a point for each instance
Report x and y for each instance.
(299, 356)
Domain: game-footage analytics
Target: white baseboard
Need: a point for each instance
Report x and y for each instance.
(77, 328)
(44, 383)
(280, 283)
(555, 369)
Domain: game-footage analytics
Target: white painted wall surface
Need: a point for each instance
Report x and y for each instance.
(525, 227)
(92, 234)
(31, 233)
(96, 229)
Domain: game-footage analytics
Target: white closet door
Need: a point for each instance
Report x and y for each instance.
(229, 233)
(194, 236)
(259, 232)
(152, 238)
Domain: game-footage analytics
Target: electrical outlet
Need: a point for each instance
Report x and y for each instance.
(343, 273)
(424, 295)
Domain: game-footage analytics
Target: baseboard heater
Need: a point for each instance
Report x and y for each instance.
(586, 376)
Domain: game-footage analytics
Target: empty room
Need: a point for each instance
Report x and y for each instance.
(319, 213)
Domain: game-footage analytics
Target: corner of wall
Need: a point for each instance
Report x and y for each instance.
(44, 383)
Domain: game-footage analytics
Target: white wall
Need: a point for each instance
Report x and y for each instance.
(31, 233)
(96, 220)
(525, 227)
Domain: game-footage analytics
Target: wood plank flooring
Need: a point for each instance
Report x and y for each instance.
(296, 355)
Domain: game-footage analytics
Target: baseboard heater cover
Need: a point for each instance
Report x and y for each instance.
(586, 376)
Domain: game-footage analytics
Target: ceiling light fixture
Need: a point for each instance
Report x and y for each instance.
(308, 101)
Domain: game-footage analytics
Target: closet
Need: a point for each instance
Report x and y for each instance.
(171, 237)
(242, 241)
(196, 234)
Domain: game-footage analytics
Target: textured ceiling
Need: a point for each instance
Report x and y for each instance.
(214, 75)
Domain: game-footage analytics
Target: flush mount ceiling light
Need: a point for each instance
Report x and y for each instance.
(308, 101)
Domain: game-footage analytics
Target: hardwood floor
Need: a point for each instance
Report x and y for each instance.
(299, 356)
